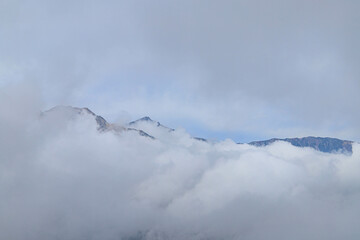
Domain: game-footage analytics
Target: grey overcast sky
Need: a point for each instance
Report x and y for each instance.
(239, 69)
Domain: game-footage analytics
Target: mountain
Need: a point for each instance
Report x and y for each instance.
(148, 124)
(148, 120)
(147, 127)
(69, 113)
(323, 144)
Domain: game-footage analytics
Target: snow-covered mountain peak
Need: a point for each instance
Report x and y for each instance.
(69, 113)
(144, 121)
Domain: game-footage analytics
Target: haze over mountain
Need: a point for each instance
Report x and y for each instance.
(149, 128)
(323, 144)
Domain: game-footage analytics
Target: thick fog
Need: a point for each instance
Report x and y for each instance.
(60, 178)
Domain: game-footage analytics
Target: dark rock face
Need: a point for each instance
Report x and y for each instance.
(319, 143)
(102, 123)
(147, 119)
(200, 139)
(141, 132)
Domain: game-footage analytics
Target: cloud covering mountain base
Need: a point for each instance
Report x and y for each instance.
(63, 179)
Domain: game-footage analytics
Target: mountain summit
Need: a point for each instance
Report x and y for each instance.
(148, 120)
(72, 112)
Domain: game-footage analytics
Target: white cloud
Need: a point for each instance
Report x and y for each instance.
(68, 181)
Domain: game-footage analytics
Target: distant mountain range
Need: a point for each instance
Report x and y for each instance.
(323, 144)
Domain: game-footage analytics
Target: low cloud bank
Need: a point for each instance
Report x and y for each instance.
(60, 178)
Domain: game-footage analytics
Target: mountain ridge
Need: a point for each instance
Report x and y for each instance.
(322, 144)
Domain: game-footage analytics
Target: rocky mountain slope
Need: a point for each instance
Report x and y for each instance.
(145, 127)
